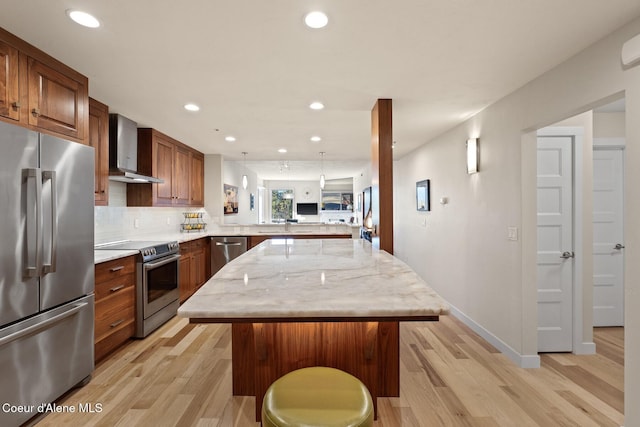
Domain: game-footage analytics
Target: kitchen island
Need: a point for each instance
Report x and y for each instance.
(294, 303)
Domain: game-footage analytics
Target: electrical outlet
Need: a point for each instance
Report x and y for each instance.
(168, 220)
(512, 233)
(136, 223)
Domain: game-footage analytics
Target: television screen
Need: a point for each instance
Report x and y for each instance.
(307, 208)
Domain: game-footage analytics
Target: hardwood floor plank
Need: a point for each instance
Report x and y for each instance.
(598, 417)
(577, 374)
(181, 376)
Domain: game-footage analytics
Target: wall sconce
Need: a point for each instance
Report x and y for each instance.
(473, 151)
(631, 51)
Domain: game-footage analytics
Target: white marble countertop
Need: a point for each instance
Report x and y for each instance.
(108, 255)
(314, 279)
(102, 255)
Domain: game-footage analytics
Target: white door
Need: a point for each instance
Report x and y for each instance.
(555, 243)
(608, 244)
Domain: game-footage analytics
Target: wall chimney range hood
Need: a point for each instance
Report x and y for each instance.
(123, 152)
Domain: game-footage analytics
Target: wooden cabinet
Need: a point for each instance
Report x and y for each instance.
(185, 284)
(161, 166)
(194, 266)
(115, 304)
(57, 102)
(197, 179)
(41, 93)
(9, 93)
(181, 175)
(163, 157)
(99, 140)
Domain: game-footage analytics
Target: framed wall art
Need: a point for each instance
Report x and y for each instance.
(423, 202)
(230, 199)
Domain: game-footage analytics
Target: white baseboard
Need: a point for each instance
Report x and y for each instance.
(523, 361)
(585, 348)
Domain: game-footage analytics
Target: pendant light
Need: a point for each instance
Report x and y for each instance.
(245, 180)
(322, 170)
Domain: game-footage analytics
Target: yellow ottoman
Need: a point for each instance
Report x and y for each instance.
(317, 396)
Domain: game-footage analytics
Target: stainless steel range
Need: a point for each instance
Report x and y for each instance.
(157, 277)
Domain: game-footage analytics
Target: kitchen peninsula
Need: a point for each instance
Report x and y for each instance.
(294, 303)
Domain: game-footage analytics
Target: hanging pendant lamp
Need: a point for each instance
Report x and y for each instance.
(245, 180)
(322, 179)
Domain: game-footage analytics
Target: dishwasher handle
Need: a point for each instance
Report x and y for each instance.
(228, 244)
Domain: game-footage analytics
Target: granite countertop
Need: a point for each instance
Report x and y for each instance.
(314, 278)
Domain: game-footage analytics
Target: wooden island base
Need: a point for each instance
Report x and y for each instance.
(263, 352)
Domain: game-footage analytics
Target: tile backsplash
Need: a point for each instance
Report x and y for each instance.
(119, 222)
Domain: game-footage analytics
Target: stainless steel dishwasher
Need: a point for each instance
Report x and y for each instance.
(224, 249)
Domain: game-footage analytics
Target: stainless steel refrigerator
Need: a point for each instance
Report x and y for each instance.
(46, 270)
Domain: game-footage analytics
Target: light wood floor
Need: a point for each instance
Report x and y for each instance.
(181, 376)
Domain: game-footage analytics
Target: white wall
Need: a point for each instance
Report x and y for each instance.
(232, 175)
(463, 251)
(608, 125)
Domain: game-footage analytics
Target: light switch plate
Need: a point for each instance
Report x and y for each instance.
(512, 233)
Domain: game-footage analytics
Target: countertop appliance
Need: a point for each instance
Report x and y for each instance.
(157, 281)
(46, 269)
(224, 249)
(123, 152)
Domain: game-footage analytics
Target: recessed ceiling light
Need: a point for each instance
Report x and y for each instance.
(230, 138)
(316, 19)
(316, 139)
(83, 18)
(282, 150)
(191, 107)
(316, 105)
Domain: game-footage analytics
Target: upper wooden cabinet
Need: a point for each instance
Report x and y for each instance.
(99, 139)
(9, 93)
(56, 102)
(197, 179)
(41, 93)
(172, 161)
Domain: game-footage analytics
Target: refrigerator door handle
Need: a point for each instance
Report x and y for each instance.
(34, 222)
(34, 329)
(51, 266)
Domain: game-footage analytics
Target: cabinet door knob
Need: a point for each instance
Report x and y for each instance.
(35, 112)
(16, 105)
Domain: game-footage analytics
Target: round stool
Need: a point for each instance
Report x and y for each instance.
(317, 396)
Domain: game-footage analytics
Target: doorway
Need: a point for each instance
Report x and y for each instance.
(556, 253)
(608, 236)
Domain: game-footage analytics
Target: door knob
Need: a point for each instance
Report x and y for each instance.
(618, 246)
(567, 255)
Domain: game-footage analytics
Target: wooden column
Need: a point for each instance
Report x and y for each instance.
(382, 175)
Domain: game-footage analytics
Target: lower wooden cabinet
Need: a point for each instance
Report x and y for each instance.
(194, 266)
(115, 320)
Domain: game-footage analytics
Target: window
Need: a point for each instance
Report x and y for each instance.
(281, 205)
(337, 201)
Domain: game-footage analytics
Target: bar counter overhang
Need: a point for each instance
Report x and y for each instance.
(296, 303)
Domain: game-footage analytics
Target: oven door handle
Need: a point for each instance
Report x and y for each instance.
(151, 265)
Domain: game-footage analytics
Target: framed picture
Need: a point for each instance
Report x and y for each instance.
(230, 199)
(423, 195)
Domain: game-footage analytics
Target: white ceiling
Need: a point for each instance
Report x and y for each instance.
(253, 67)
